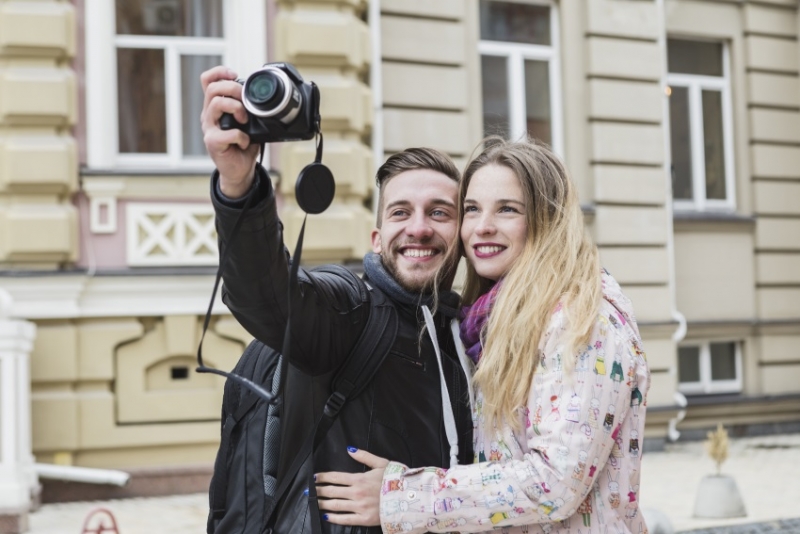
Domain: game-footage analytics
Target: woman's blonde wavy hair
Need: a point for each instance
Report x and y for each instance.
(559, 263)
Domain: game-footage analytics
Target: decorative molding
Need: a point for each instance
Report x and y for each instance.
(150, 185)
(72, 296)
(97, 224)
(161, 234)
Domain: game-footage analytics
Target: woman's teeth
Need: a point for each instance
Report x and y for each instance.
(489, 249)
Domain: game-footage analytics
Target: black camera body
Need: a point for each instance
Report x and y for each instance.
(280, 106)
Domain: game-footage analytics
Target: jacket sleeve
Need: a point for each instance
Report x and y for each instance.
(325, 312)
(548, 483)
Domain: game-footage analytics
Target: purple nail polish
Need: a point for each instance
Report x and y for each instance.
(325, 517)
(305, 492)
(352, 449)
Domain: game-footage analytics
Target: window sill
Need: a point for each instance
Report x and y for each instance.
(140, 185)
(690, 220)
(709, 399)
(144, 172)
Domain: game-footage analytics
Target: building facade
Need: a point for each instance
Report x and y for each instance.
(679, 120)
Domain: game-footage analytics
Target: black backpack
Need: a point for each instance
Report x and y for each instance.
(245, 496)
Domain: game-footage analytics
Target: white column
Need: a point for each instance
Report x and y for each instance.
(17, 475)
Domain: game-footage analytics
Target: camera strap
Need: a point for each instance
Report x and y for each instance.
(270, 397)
(314, 192)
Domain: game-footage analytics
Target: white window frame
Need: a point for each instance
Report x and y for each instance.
(516, 54)
(243, 49)
(706, 385)
(695, 85)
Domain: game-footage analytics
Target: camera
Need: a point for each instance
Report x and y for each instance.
(280, 106)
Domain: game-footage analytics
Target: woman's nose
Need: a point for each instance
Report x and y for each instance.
(485, 225)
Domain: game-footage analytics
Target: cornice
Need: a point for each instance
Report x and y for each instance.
(71, 296)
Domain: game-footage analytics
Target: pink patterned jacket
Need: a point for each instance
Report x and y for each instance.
(573, 469)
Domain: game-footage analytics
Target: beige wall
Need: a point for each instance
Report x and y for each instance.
(330, 44)
(38, 156)
(773, 60)
(736, 278)
(430, 76)
(623, 154)
(102, 389)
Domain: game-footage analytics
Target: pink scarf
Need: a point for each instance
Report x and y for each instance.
(474, 318)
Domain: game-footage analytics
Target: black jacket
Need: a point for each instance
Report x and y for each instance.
(399, 416)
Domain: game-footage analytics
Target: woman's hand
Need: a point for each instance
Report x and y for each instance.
(353, 498)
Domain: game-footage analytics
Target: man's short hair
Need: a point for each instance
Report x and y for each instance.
(411, 159)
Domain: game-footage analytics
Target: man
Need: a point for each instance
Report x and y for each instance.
(401, 415)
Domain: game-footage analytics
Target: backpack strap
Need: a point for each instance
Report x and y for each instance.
(356, 373)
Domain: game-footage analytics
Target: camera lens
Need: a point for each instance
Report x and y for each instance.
(270, 92)
(264, 90)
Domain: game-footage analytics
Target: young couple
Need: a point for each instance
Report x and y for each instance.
(558, 379)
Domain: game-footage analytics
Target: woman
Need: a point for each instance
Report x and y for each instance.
(556, 445)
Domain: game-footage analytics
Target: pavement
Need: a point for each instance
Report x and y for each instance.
(766, 469)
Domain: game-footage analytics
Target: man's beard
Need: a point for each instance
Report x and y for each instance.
(441, 276)
(412, 286)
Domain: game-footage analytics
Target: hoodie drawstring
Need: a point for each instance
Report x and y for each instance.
(449, 418)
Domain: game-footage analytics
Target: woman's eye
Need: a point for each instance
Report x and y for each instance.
(508, 209)
(469, 209)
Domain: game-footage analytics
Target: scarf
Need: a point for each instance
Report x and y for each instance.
(473, 320)
(378, 275)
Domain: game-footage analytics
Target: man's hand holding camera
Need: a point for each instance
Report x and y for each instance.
(231, 150)
(274, 104)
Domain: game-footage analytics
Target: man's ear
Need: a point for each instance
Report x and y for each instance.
(376, 241)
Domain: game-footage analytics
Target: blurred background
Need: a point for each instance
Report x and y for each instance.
(679, 120)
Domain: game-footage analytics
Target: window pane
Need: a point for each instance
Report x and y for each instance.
(192, 101)
(142, 101)
(681, 143)
(688, 364)
(537, 100)
(713, 142)
(495, 95)
(694, 57)
(723, 361)
(188, 18)
(515, 23)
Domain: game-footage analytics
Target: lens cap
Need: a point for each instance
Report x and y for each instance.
(315, 188)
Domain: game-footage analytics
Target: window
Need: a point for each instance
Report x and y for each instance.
(143, 64)
(710, 367)
(700, 125)
(520, 71)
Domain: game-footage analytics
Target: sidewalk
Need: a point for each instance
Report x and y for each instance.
(767, 470)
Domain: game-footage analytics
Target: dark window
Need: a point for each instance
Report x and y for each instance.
(723, 361)
(192, 101)
(537, 100)
(681, 144)
(713, 138)
(142, 104)
(515, 22)
(495, 95)
(180, 373)
(689, 364)
(694, 57)
(178, 18)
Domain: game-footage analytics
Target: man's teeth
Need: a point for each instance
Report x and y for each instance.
(489, 249)
(417, 253)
